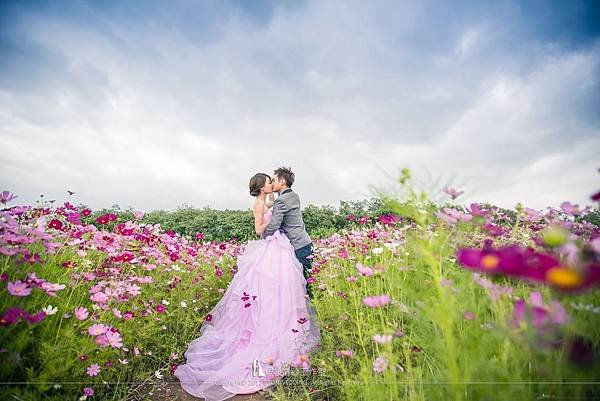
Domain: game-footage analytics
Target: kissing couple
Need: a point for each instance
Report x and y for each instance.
(265, 321)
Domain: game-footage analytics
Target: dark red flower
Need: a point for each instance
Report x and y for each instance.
(102, 219)
(55, 223)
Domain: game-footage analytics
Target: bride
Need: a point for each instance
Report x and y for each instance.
(263, 323)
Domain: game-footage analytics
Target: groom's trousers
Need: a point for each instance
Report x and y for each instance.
(303, 256)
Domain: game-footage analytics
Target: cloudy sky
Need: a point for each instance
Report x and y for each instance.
(157, 104)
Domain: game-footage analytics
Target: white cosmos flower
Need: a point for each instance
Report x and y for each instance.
(377, 251)
(158, 374)
(183, 304)
(50, 310)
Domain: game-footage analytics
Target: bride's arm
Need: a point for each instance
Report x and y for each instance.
(259, 211)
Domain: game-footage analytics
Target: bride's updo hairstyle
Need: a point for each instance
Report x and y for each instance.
(258, 181)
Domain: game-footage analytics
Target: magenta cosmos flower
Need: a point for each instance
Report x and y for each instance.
(525, 263)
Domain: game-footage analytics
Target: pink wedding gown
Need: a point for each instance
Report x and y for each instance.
(261, 324)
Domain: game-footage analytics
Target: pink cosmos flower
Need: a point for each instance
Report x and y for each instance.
(376, 300)
(532, 215)
(93, 369)
(476, 210)
(570, 209)
(452, 192)
(138, 215)
(99, 297)
(19, 288)
(97, 329)
(380, 364)
(543, 319)
(364, 271)
(114, 339)
(6, 197)
(349, 353)
(302, 360)
(102, 340)
(382, 339)
(452, 216)
(493, 230)
(81, 313)
(51, 288)
(469, 315)
(88, 391)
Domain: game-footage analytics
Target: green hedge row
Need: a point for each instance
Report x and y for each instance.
(321, 221)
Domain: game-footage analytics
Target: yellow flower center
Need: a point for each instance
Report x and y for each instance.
(564, 277)
(490, 261)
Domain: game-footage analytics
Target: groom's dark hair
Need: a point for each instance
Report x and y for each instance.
(286, 174)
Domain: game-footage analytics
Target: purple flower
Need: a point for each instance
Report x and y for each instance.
(88, 391)
(570, 209)
(532, 215)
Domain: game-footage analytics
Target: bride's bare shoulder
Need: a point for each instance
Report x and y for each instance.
(258, 206)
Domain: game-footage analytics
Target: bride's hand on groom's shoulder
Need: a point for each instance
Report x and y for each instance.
(270, 200)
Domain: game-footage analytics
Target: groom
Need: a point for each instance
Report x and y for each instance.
(288, 218)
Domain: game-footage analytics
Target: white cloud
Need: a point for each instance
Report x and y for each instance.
(149, 116)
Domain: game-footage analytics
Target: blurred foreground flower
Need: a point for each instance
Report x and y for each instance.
(525, 263)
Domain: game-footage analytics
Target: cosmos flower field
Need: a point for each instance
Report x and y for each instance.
(427, 303)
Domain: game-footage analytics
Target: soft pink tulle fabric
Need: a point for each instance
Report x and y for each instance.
(221, 362)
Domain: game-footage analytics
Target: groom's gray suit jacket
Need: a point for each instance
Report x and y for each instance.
(287, 216)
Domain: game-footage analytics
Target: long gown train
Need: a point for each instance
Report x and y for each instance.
(263, 322)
